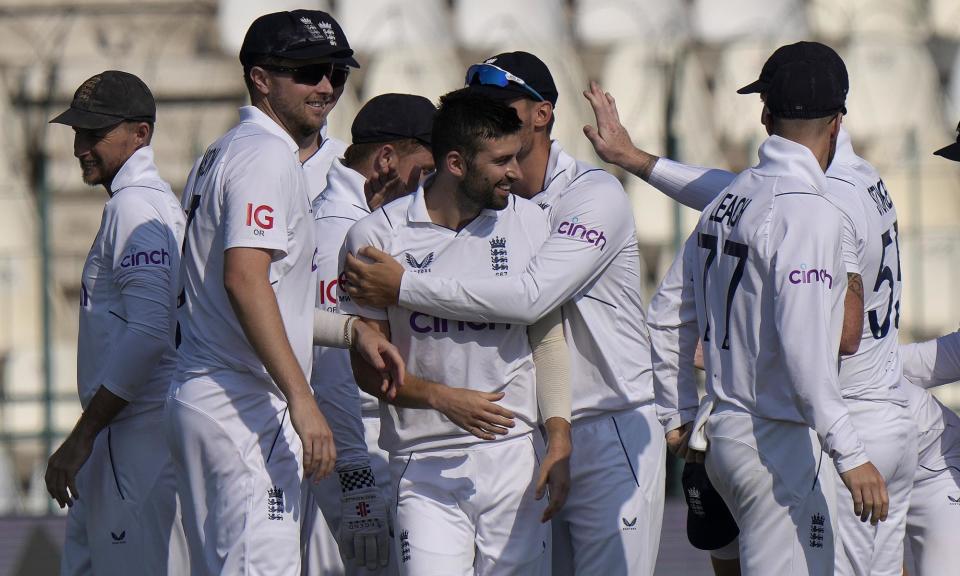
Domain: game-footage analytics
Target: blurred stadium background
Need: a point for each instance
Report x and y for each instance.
(673, 65)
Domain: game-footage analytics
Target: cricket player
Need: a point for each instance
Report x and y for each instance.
(243, 424)
(114, 470)
(469, 500)
(869, 371)
(391, 145)
(769, 261)
(590, 266)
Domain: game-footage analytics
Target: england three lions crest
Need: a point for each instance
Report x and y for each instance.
(498, 256)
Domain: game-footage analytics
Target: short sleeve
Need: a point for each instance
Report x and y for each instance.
(258, 182)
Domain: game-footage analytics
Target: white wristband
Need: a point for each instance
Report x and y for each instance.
(331, 330)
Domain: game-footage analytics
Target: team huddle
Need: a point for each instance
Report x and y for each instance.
(427, 352)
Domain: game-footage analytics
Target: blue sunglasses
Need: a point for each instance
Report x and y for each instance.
(490, 75)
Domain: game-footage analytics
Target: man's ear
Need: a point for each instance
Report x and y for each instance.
(543, 114)
(260, 80)
(142, 133)
(385, 159)
(455, 163)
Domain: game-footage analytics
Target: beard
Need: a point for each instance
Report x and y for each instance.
(476, 192)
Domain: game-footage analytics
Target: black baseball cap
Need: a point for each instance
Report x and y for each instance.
(799, 51)
(710, 525)
(806, 90)
(296, 35)
(951, 151)
(390, 117)
(107, 99)
(526, 76)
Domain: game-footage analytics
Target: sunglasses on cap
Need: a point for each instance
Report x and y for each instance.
(490, 75)
(313, 74)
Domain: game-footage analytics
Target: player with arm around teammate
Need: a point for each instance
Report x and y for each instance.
(590, 267)
(243, 425)
(465, 504)
(114, 470)
(391, 137)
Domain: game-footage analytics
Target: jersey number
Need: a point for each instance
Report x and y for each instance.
(885, 275)
(730, 248)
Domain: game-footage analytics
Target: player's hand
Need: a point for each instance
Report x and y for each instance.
(698, 356)
(555, 468)
(375, 284)
(382, 356)
(365, 522)
(610, 139)
(869, 492)
(63, 466)
(385, 186)
(319, 451)
(475, 412)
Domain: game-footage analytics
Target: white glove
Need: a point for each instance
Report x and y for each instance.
(365, 524)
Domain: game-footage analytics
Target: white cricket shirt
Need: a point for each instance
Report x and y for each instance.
(769, 286)
(871, 248)
(317, 166)
(139, 239)
(488, 356)
(590, 265)
(248, 191)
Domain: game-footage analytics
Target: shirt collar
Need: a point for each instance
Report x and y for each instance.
(417, 210)
(844, 153)
(779, 155)
(256, 116)
(138, 169)
(345, 185)
(561, 168)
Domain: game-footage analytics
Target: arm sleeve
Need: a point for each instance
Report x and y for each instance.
(672, 323)
(692, 186)
(257, 183)
(932, 363)
(808, 231)
(552, 360)
(589, 226)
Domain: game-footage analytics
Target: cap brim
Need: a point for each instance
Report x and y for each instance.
(86, 119)
(755, 87)
(951, 152)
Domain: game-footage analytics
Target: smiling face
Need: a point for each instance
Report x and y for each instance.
(102, 152)
(300, 103)
(490, 174)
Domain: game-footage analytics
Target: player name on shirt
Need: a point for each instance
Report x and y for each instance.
(730, 209)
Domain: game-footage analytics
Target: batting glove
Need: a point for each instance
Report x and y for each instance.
(365, 525)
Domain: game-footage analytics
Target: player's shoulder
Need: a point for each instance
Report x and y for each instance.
(384, 221)
(526, 210)
(249, 143)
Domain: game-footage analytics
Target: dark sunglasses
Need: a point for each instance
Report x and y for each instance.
(490, 75)
(313, 74)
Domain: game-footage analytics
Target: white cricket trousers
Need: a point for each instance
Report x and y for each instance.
(612, 519)
(127, 519)
(319, 534)
(889, 436)
(778, 485)
(933, 520)
(239, 469)
(471, 510)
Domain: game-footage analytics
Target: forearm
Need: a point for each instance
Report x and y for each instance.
(852, 316)
(692, 186)
(255, 305)
(332, 330)
(551, 357)
(558, 434)
(102, 409)
(416, 392)
(932, 363)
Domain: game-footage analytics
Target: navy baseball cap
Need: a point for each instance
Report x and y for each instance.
(806, 90)
(296, 35)
(107, 99)
(797, 52)
(390, 117)
(513, 75)
(951, 151)
(710, 525)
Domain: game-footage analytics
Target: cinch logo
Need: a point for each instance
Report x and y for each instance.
(142, 258)
(261, 216)
(580, 232)
(425, 324)
(810, 276)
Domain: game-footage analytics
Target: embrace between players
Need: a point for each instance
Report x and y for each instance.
(487, 301)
